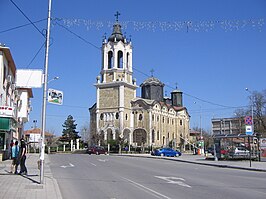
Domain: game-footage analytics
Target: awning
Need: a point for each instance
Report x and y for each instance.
(7, 124)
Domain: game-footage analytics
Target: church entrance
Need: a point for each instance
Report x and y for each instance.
(140, 137)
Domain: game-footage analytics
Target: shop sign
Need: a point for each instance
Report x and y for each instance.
(6, 111)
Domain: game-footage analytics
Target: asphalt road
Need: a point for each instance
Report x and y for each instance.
(116, 177)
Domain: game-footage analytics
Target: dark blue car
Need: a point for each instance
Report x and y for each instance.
(166, 152)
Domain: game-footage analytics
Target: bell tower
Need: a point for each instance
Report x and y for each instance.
(115, 86)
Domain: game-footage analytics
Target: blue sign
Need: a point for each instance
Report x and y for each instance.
(249, 130)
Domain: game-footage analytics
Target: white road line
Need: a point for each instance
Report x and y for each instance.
(155, 193)
(70, 165)
(93, 164)
(102, 160)
(174, 180)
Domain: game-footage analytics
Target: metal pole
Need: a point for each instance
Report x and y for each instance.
(249, 151)
(45, 93)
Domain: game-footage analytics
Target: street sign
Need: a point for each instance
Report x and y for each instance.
(55, 96)
(249, 130)
(248, 120)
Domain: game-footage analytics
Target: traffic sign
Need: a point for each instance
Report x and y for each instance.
(248, 120)
(55, 96)
(249, 130)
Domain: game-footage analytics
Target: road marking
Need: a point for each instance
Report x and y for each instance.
(93, 164)
(148, 190)
(174, 180)
(102, 160)
(67, 166)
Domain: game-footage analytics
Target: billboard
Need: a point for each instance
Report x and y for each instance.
(30, 78)
(55, 96)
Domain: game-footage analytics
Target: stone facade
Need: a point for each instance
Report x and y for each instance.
(147, 121)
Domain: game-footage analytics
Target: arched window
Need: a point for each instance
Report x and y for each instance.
(117, 116)
(120, 59)
(140, 117)
(110, 59)
(158, 135)
(152, 136)
(127, 61)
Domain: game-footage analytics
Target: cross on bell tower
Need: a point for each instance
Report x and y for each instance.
(117, 15)
(152, 71)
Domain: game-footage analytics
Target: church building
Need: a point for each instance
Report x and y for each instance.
(151, 120)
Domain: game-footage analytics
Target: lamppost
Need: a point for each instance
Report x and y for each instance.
(45, 93)
(35, 121)
(252, 123)
(252, 110)
(201, 138)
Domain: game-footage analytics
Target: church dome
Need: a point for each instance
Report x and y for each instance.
(152, 81)
(117, 34)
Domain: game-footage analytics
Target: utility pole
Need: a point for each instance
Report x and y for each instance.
(45, 93)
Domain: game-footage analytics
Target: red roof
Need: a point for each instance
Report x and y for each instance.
(36, 131)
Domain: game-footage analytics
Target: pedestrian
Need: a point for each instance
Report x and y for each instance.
(15, 157)
(22, 153)
(11, 156)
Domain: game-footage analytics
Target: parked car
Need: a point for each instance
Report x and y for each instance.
(238, 151)
(96, 150)
(166, 152)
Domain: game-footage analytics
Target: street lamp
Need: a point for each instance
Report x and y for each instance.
(201, 138)
(35, 121)
(252, 110)
(45, 93)
(55, 78)
(252, 123)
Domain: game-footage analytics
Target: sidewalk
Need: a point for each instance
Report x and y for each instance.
(28, 187)
(200, 159)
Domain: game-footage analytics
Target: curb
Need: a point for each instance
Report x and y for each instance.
(194, 162)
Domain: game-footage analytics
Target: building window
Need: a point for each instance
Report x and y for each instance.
(163, 119)
(117, 116)
(140, 117)
(127, 60)
(101, 116)
(126, 117)
(152, 136)
(168, 120)
(110, 59)
(120, 59)
(152, 117)
(157, 118)
(158, 135)
(181, 122)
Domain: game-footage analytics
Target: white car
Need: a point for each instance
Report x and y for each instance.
(239, 151)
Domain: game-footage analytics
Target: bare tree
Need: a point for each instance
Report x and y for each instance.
(85, 132)
(257, 102)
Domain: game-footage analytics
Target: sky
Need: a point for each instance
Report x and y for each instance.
(211, 50)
